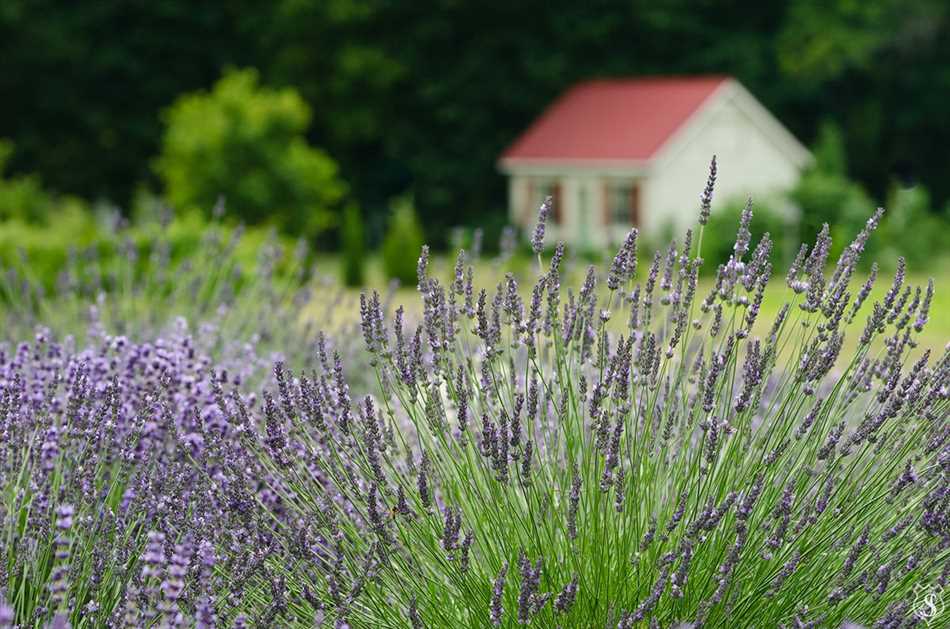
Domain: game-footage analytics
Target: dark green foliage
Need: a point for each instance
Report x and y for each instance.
(426, 94)
(82, 84)
(402, 243)
(353, 240)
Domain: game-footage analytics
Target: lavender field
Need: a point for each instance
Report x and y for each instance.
(536, 444)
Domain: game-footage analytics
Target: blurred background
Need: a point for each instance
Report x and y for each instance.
(367, 126)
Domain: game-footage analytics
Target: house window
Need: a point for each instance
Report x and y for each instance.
(622, 203)
(540, 190)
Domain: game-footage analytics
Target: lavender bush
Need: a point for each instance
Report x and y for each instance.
(104, 512)
(123, 501)
(628, 454)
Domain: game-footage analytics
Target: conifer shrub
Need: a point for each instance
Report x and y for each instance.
(403, 238)
(353, 239)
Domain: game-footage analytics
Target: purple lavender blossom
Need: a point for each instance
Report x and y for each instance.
(705, 200)
(537, 239)
(496, 609)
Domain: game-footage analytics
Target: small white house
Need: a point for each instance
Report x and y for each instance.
(635, 152)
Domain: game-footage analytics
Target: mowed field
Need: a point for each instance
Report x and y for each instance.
(344, 303)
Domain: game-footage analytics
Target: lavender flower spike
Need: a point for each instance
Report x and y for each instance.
(705, 201)
(498, 590)
(537, 239)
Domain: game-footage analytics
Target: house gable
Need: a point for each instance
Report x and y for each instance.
(757, 155)
(731, 92)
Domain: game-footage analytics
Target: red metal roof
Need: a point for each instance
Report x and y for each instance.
(612, 119)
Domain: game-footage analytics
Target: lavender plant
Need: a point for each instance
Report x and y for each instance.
(622, 455)
(119, 506)
(126, 497)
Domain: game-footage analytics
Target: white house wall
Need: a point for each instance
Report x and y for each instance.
(582, 203)
(518, 194)
(750, 163)
(581, 208)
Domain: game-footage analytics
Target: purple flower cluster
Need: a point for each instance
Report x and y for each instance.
(124, 457)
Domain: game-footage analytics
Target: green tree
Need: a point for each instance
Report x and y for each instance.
(881, 70)
(246, 142)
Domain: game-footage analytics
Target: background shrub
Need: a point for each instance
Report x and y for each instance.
(353, 239)
(720, 233)
(402, 243)
(24, 198)
(825, 194)
(911, 229)
(246, 142)
(39, 252)
(104, 255)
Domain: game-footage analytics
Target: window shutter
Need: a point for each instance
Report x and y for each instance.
(556, 203)
(635, 205)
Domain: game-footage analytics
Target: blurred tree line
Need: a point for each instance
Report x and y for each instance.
(422, 96)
